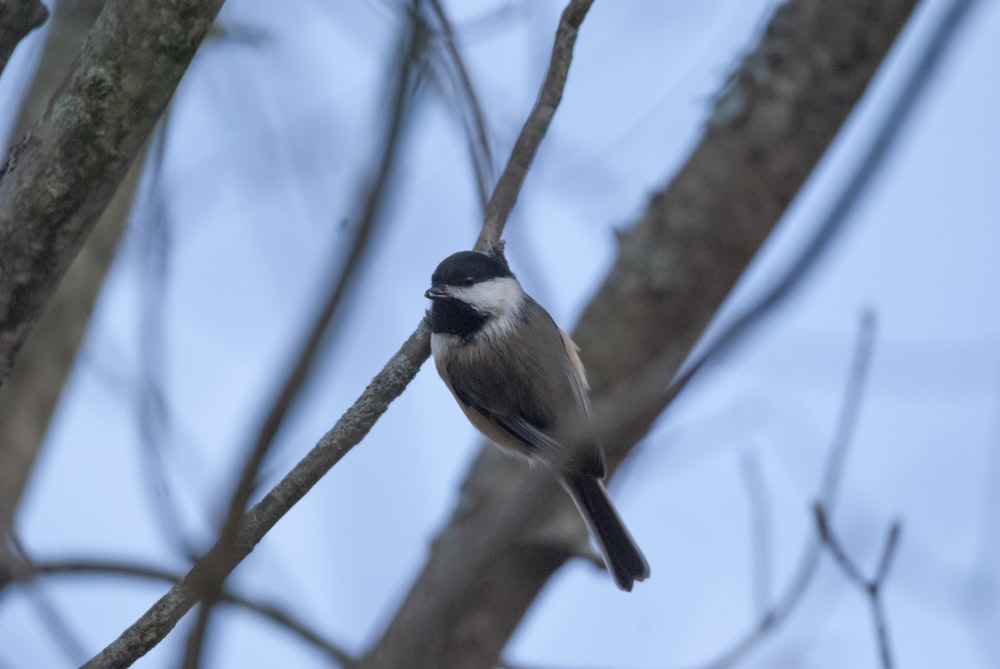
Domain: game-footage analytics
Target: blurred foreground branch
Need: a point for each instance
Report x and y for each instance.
(157, 622)
(29, 395)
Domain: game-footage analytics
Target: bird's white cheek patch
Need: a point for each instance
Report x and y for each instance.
(499, 296)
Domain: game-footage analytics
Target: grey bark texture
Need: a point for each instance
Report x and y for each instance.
(29, 395)
(675, 266)
(58, 180)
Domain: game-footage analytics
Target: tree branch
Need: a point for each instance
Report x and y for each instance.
(58, 179)
(847, 420)
(507, 189)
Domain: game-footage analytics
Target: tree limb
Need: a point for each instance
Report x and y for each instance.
(521, 156)
(61, 176)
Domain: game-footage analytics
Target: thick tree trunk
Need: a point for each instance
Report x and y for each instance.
(674, 268)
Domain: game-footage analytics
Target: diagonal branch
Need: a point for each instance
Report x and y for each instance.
(58, 179)
(507, 189)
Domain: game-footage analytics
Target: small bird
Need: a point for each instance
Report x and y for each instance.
(519, 380)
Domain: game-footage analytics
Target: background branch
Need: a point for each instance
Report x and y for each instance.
(871, 587)
(779, 611)
(59, 179)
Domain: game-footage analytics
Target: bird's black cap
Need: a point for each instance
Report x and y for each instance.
(467, 268)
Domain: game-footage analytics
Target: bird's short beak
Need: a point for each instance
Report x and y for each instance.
(436, 293)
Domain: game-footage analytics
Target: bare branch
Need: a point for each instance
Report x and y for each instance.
(58, 180)
(890, 130)
(157, 622)
(871, 587)
(836, 460)
(507, 189)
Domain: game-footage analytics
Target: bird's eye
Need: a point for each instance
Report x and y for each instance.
(467, 281)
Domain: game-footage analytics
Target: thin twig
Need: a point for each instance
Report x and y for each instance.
(781, 608)
(871, 587)
(408, 69)
(355, 423)
(507, 189)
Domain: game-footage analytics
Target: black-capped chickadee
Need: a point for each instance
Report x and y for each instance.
(518, 378)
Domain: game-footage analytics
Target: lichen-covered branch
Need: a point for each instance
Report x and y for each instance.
(59, 178)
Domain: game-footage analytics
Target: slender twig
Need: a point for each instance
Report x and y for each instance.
(507, 189)
(871, 587)
(408, 70)
(355, 423)
(836, 460)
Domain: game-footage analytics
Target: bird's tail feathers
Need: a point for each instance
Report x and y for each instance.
(622, 556)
